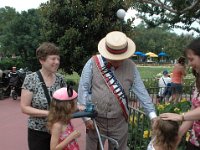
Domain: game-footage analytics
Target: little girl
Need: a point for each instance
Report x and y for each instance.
(165, 135)
(62, 106)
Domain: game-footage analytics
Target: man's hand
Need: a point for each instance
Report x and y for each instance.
(81, 107)
(89, 124)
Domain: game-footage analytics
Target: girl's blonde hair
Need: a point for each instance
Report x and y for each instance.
(166, 133)
(60, 111)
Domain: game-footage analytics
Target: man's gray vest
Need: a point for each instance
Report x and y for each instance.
(105, 102)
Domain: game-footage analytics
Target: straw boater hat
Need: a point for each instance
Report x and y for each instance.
(62, 94)
(116, 46)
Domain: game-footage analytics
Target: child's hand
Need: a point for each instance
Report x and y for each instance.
(81, 107)
(76, 134)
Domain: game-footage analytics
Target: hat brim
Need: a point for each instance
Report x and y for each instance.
(103, 51)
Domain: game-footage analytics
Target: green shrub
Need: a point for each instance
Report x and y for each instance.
(8, 63)
(180, 107)
(70, 79)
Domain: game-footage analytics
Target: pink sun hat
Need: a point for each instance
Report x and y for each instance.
(62, 94)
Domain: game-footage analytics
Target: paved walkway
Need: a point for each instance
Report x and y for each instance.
(13, 127)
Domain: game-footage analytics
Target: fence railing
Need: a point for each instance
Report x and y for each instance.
(153, 92)
(139, 130)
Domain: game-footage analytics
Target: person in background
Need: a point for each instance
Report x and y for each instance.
(178, 73)
(36, 95)
(63, 105)
(105, 81)
(164, 85)
(13, 72)
(191, 119)
(164, 135)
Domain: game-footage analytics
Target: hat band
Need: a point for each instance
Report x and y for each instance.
(117, 51)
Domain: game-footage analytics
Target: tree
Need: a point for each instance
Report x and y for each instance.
(21, 35)
(158, 12)
(6, 15)
(78, 25)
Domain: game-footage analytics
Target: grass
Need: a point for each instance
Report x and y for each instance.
(152, 71)
(146, 72)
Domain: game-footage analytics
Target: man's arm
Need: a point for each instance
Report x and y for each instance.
(84, 89)
(142, 94)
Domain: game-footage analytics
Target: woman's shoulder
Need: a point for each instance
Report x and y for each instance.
(59, 75)
(32, 75)
(178, 67)
(60, 80)
(181, 66)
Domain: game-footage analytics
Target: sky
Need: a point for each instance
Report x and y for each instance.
(22, 5)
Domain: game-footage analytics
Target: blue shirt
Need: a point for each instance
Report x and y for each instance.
(85, 85)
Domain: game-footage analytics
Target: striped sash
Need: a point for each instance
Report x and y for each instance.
(113, 84)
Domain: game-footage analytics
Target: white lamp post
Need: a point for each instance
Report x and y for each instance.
(121, 13)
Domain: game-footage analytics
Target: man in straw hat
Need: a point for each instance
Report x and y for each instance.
(105, 81)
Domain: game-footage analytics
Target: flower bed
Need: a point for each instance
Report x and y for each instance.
(140, 127)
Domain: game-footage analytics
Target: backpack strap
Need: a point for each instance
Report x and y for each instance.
(44, 87)
(164, 81)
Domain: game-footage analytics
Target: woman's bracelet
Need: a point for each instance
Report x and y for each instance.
(183, 117)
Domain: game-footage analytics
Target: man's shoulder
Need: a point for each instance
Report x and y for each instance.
(129, 61)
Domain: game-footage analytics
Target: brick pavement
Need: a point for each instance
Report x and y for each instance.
(13, 126)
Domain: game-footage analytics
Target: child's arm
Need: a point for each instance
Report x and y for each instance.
(68, 139)
(56, 130)
(55, 134)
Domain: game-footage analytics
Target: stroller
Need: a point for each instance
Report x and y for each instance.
(13, 83)
(92, 113)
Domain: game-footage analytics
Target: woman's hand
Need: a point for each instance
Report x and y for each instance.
(171, 116)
